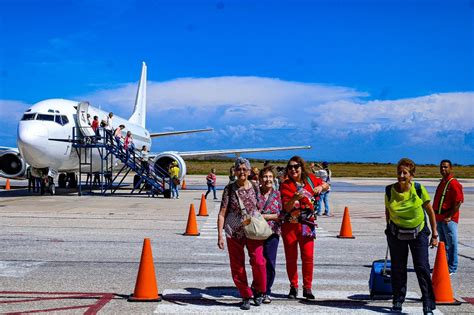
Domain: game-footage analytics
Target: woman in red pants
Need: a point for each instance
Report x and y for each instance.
(229, 220)
(298, 192)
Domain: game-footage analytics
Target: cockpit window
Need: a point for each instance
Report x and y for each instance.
(45, 117)
(62, 120)
(28, 116)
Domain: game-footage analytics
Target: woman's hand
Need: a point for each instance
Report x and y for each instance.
(297, 196)
(434, 241)
(220, 242)
(318, 190)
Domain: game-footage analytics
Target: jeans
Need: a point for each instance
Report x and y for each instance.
(174, 189)
(237, 265)
(270, 247)
(419, 253)
(209, 188)
(324, 197)
(448, 233)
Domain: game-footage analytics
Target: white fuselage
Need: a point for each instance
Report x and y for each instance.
(55, 119)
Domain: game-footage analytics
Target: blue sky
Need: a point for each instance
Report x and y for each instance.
(358, 80)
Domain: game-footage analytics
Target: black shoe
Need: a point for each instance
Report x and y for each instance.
(258, 299)
(293, 293)
(245, 304)
(427, 310)
(397, 307)
(308, 294)
(266, 299)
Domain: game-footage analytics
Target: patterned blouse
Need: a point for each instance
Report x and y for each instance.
(233, 219)
(288, 189)
(272, 206)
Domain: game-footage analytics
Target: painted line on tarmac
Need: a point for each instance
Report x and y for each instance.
(14, 269)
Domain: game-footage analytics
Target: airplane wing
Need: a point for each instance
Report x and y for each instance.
(172, 133)
(237, 152)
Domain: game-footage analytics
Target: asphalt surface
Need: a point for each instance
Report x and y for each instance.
(71, 255)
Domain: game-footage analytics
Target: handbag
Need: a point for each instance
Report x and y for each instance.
(255, 226)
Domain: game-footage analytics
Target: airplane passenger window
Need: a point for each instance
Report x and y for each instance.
(65, 120)
(28, 116)
(45, 117)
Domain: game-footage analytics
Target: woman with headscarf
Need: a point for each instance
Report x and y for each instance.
(298, 193)
(230, 220)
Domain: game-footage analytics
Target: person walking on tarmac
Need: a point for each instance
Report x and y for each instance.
(447, 201)
(405, 206)
(211, 180)
(230, 220)
(297, 193)
(174, 180)
(269, 203)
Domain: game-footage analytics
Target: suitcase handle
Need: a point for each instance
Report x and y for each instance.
(384, 271)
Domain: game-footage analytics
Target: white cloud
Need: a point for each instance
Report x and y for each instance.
(11, 110)
(253, 111)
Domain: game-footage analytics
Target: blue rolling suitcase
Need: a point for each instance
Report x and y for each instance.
(380, 282)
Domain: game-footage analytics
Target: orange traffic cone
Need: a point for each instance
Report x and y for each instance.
(441, 282)
(183, 185)
(191, 228)
(203, 207)
(7, 184)
(346, 227)
(146, 289)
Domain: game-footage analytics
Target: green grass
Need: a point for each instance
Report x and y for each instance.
(196, 167)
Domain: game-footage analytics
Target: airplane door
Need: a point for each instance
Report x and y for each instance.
(82, 121)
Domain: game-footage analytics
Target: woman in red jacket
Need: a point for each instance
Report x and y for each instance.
(298, 192)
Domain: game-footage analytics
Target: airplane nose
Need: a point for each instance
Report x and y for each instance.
(32, 142)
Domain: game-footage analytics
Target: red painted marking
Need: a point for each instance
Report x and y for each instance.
(94, 309)
(103, 299)
(49, 310)
(469, 300)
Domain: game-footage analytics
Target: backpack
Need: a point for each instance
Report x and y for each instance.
(388, 190)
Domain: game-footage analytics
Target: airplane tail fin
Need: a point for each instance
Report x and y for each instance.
(139, 113)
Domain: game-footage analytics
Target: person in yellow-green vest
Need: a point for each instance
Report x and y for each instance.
(405, 205)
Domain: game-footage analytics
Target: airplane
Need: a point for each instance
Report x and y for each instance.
(45, 139)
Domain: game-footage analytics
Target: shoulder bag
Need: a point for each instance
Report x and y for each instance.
(255, 226)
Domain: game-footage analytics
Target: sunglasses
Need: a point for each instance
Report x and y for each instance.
(295, 166)
(241, 170)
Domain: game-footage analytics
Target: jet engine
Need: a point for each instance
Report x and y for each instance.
(163, 161)
(12, 165)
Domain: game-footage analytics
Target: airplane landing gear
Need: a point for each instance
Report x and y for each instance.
(62, 180)
(71, 177)
(47, 184)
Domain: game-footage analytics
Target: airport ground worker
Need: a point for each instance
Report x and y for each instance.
(297, 193)
(405, 206)
(230, 220)
(269, 203)
(447, 201)
(211, 181)
(174, 180)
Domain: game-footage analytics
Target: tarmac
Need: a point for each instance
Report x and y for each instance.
(70, 254)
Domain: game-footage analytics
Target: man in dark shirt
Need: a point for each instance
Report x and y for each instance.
(446, 204)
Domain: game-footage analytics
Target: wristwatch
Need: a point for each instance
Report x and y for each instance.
(434, 236)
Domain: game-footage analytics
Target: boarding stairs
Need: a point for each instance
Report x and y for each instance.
(103, 148)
